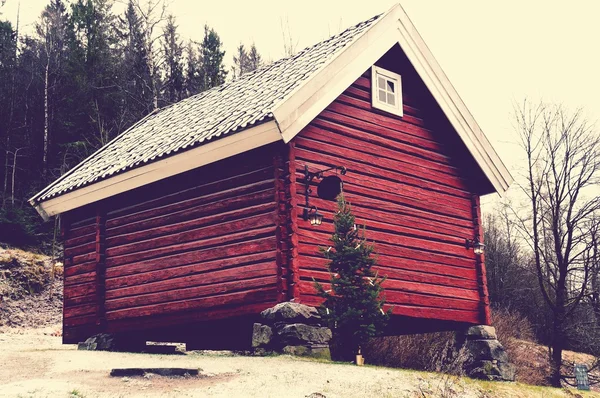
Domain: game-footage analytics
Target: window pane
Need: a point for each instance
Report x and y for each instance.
(381, 95)
(380, 82)
(391, 86)
(391, 99)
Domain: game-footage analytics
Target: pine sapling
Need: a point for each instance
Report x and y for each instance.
(353, 306)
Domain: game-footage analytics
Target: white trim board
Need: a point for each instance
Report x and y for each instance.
(299, 108)
(213, 151)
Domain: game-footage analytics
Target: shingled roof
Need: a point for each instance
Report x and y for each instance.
(208, 116)
(271, 104)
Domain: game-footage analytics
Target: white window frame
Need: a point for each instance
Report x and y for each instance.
(384, 106)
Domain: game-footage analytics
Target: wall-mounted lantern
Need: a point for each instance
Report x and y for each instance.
(476, 245)
(329, 188)
(313, 215)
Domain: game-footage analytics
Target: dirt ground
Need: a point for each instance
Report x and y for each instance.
(33, 363)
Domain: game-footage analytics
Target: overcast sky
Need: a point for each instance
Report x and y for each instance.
(495, 53)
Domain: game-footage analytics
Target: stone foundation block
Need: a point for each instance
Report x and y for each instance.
(299, 333)
(481, 332)
(261, 335)
(291, 313)
(486, 358)
(292, 328)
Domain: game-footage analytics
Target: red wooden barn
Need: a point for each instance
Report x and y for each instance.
(192, 220)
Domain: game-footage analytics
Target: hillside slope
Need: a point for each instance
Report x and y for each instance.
(30, 290)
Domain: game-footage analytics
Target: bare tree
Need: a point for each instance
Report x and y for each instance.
(563, 168)
(289, 45)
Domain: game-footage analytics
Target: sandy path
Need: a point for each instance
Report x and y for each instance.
(39, 366)
(36, 365)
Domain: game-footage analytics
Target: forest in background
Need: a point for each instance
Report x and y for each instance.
(85, 75)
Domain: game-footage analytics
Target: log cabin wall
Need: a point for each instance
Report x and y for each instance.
(198, 246)
(80, 307)
(413, 185)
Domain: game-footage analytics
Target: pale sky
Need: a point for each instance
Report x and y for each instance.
(494, 53)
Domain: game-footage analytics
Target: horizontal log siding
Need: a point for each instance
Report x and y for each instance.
(406, 186)
(201, 245)
(79, 291)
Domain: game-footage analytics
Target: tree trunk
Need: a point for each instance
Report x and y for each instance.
(14, 172)
(46, 128)
(6, 153)
(558, 338)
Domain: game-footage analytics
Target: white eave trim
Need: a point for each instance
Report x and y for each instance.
(210, 152)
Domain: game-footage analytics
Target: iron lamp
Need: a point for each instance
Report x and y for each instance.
(476, 245)
(313, 215)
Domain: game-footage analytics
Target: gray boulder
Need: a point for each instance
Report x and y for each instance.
(492, 370)
(99, 342)
(261, 335)
(289, 312)
(301, 334)
(481, 350)
(481, 332)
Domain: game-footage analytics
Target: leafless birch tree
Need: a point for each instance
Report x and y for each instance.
(563, 171)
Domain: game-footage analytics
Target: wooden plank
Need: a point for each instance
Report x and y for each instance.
(77, 240)
(367, 199)
(334, 122)
(178, 286)
(82, 289)
(198, 234)
(313, 243)
(394, 297)
(308, 272)
(234, 309)
(217, 282)
(371, 121)
(81, 310)
(177, 191)
(72, 270)
(182, 205)
(486, 318)
(211, 243)
(397, 176)
(457, 249)
(294, 261)
(384, 147)
(415, 168)
(387, 265)
(208, 209)
(179, 259)
(161, 230)
(187, 270)
(268, 290)
(81, 278)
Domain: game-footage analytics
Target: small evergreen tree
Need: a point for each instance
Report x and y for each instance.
(354, 305)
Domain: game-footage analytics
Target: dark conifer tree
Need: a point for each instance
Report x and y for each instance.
(137, 81)
(354, 304)
(212, 54)
(240, 62)
(194, 73)
(173, 86)
(254, 59)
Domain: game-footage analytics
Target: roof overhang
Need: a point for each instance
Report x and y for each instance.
(304, 104)
(210, 152)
